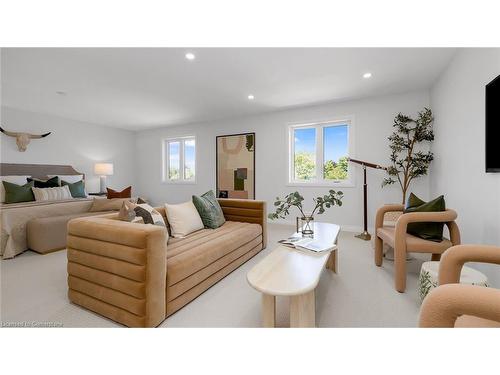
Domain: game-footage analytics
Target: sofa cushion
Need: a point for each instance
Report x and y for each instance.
(183, 219)
(198, 250)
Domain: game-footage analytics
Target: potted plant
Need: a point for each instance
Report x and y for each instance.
(295, 200)
(407, 161)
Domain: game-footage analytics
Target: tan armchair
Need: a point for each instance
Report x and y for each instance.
(402, 242)
(457, 305)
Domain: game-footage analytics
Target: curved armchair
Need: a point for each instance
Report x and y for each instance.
(403, 243)
(452, 304)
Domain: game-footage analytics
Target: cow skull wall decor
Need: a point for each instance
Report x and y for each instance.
(23, 139)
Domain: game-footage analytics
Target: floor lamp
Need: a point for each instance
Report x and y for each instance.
(365, 235)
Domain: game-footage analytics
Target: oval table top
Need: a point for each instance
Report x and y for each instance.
(287, 271)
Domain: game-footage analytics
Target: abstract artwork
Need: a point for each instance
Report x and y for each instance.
(236, 166)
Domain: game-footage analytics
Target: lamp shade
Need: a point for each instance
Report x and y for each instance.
(103, 169)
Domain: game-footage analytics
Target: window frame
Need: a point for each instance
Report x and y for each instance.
(319, 126)
(166, 160)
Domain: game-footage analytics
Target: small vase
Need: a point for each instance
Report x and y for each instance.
(305, 225)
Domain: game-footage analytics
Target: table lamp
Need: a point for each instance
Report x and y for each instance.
(103, 170)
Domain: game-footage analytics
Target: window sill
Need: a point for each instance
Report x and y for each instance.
(343, 184)
(180, 182)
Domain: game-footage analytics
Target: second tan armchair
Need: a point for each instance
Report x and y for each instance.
(458, 305)
(403, 243)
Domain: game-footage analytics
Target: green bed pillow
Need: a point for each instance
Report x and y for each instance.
(209, 209)
(76, 189)
(426, 230)
(18, 193)
(51, 182)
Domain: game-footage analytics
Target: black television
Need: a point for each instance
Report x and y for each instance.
(493, 126)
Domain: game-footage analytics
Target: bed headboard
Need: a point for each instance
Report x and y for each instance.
(36, 170)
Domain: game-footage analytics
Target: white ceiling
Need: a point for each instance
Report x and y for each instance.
(139, 88)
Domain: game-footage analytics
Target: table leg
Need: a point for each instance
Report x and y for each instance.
(303, 310)
(333, 261)
(268, 311)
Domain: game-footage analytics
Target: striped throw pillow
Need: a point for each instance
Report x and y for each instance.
(52, 194)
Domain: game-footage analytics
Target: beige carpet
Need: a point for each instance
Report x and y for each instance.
(360, 295)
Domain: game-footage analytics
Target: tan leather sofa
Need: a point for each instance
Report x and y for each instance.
(130, 274)
(456, 305)
(403, 243)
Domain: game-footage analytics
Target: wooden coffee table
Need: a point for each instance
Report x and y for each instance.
(294, 273)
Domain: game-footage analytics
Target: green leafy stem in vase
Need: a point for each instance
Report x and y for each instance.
(295, 200)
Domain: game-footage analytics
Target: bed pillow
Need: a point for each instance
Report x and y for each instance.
(71, 178)
(77, 189)
(18, 193)
(209, 209)
(52, 194)
(427, 230)
(51, 182)
(183, 219)
(18, 180)
(149, 214)
(125, 193)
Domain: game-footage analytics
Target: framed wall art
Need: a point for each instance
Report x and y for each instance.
(235, 170)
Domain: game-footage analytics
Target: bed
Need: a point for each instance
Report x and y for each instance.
(15, 216)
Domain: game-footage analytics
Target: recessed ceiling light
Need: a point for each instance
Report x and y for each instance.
(61, 92)
(367, 75)
(190, 56)
(251, 97)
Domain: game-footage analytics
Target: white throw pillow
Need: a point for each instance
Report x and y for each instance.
(70, 178)
(183, 219)
(18, 180)
(52, 194)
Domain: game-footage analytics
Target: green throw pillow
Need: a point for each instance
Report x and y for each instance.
(427, 230)
(16, 193)
(76, 189)
(209, 209)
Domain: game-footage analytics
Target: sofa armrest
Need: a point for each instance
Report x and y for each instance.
(455, 257)
(445, 304)
(118, 269)
(248, 211)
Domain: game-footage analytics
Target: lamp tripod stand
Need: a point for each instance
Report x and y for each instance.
(365, 235)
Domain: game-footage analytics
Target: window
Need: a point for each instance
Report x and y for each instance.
(319, 152)
(179, 160)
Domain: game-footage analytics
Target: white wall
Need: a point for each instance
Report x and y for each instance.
(373, 124)
(71, 142)
(458, 172)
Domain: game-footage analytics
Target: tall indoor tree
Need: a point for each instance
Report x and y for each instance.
(407, 158)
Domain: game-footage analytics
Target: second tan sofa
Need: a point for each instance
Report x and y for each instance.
(129, 273)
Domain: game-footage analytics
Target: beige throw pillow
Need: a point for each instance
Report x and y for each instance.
(103, 204)
(127, 211)
(183, 219)
(52, 193)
